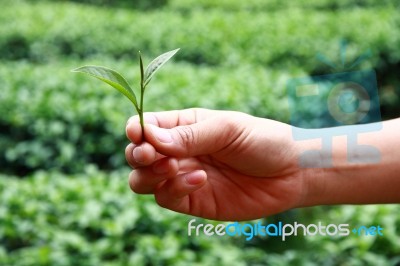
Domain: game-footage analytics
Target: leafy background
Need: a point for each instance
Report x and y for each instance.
(63, 181)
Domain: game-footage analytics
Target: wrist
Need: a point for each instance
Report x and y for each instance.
(341, 182)
(355, 183)
(332, 186)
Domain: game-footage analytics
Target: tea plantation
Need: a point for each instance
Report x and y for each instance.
(64, 194)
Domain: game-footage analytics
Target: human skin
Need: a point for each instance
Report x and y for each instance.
(226, 165)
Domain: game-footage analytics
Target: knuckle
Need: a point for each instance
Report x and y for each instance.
(187, 136)
(228, 123)
(230, 127)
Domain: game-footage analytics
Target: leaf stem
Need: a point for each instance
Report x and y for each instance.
(141, 111)
(142, 88)
(141, 123)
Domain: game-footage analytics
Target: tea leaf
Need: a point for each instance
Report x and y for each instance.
(156, 64)
(112, 78)
(117, 81)
(141, 70)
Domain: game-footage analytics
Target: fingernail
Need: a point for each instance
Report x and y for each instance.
(161, 167)
(138, 155)
(161, 134)
(195, 178)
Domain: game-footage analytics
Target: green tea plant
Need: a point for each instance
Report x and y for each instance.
(117, 81)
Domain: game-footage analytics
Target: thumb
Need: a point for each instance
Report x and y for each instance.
(201, 138)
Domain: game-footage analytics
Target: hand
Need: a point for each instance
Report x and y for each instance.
(219, 165)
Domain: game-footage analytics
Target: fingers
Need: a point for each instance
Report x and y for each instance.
(204, 137)
(167, 119)
(145, 180)
(165, 178)
(189, 132)
(173, 193)
(133, 128)
(141, 155)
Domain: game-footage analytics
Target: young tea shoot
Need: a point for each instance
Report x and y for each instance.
(117, 81)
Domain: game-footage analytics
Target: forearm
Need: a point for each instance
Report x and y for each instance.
(358, 183)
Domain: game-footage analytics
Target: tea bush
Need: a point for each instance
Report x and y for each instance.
(62, 135)
(56, 119)
(92, 218)
(229, 60)
(275, 5)
(136, 4)
(213, 37)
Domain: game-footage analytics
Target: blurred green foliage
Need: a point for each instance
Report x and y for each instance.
(62, 135)
(54, 119)
(93, 219)
(239, 60)
(212, 36)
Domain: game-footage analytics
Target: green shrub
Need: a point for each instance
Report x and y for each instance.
(51, 121)
(49, 125)
(235, 55)
(212, 37)
(94, 219)
(274, 5)
(55, 119)
(137, 4)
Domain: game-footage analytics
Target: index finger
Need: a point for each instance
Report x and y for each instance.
(166, 119)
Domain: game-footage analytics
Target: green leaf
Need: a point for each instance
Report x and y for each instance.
(156, 64)
(141, 69)
(112, 78)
